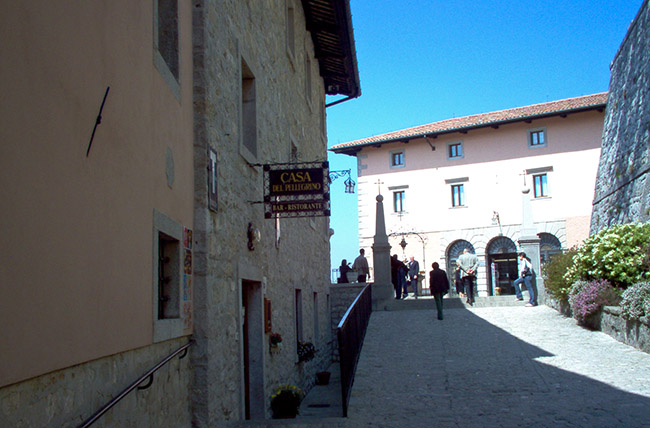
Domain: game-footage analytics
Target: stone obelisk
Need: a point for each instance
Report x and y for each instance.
(382, 289)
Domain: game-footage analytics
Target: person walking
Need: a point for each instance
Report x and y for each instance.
(413, 272)
(468, 263)
(525, 276)
(360, 264)
(439, 286)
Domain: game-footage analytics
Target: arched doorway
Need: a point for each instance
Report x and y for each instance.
(453, 252)
(548, 245)
(501, 266)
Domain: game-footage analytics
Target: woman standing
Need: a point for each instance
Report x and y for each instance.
(439, 286)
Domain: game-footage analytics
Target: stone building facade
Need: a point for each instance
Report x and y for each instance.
(259, 90)
(623, 184)
(125, 248)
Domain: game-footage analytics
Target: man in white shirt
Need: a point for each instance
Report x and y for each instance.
(361, 266)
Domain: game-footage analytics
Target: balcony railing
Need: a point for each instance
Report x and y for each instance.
(350, 333)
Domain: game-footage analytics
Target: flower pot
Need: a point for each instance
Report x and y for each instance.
(323, 378)
(284, 410)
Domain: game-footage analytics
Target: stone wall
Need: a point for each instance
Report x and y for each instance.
(66, 398)
(631, 332)
(342, 297)
(622, 185)
(289, 265)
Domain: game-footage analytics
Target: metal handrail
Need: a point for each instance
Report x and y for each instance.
(148, 376)
(350, 334)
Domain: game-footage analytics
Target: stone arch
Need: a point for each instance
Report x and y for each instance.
(500, 245)
(501, 265)
(549, 244)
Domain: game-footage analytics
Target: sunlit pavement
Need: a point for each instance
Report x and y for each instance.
(489, 367)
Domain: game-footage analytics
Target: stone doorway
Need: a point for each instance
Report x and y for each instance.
(253, 349)
(501, 266)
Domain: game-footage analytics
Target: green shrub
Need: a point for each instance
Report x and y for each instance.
(618, 254)
(553, 271)
(635, 301)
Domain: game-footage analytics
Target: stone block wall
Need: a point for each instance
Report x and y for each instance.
(67, 397)
(234, 39)
(342, 297)
(622, 186)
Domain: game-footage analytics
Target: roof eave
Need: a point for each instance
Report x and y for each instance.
(330, 25)
(354, 149)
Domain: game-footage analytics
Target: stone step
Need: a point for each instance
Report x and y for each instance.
(427, 302)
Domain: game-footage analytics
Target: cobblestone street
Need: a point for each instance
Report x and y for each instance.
(493, 367)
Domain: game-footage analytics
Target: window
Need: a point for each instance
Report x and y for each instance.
(455, 150)
(316, 321)
(308, 90)
(457, 195)
(166, 57)
(167, 278)
(291, 35)
(540, 186)
(398, 201)
(397, 159)
(298, 302)
(537, 137)
(212, 179)
(249, 110)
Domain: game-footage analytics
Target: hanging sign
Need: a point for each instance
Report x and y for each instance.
(296, 190)
(294, 182)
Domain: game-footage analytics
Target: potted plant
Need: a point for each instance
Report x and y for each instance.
(275, 339)
(285, 402)
(306, 351)
(323, 378)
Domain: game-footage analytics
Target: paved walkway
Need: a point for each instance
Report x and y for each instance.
(488, 367)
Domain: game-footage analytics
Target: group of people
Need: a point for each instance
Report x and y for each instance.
(360, 265)
(465, 278)
(404, 274)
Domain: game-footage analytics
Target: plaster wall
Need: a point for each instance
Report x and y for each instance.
(492, 172)
(76, 279)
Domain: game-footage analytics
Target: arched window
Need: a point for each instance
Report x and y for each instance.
(501, 245)
(548, 246)
(457, 248)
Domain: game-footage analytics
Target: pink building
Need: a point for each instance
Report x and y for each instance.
(458, 183)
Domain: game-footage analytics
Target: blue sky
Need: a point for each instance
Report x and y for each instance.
(421, 61)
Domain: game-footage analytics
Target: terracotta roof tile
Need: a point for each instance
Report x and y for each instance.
(482, 120)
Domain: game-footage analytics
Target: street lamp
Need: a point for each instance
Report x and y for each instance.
(403, 244)
(349, 183)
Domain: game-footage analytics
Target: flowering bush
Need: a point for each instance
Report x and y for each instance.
(618, 254)
(285, 401)
(553, 271)
(575, 289)
(589, 299)
(306, 351)
(635, 301)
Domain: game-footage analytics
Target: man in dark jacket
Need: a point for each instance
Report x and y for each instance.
(414, 271)
(397, 275)
(439, 286)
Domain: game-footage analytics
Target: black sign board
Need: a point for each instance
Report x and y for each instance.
(296, 190)
(294, 182)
